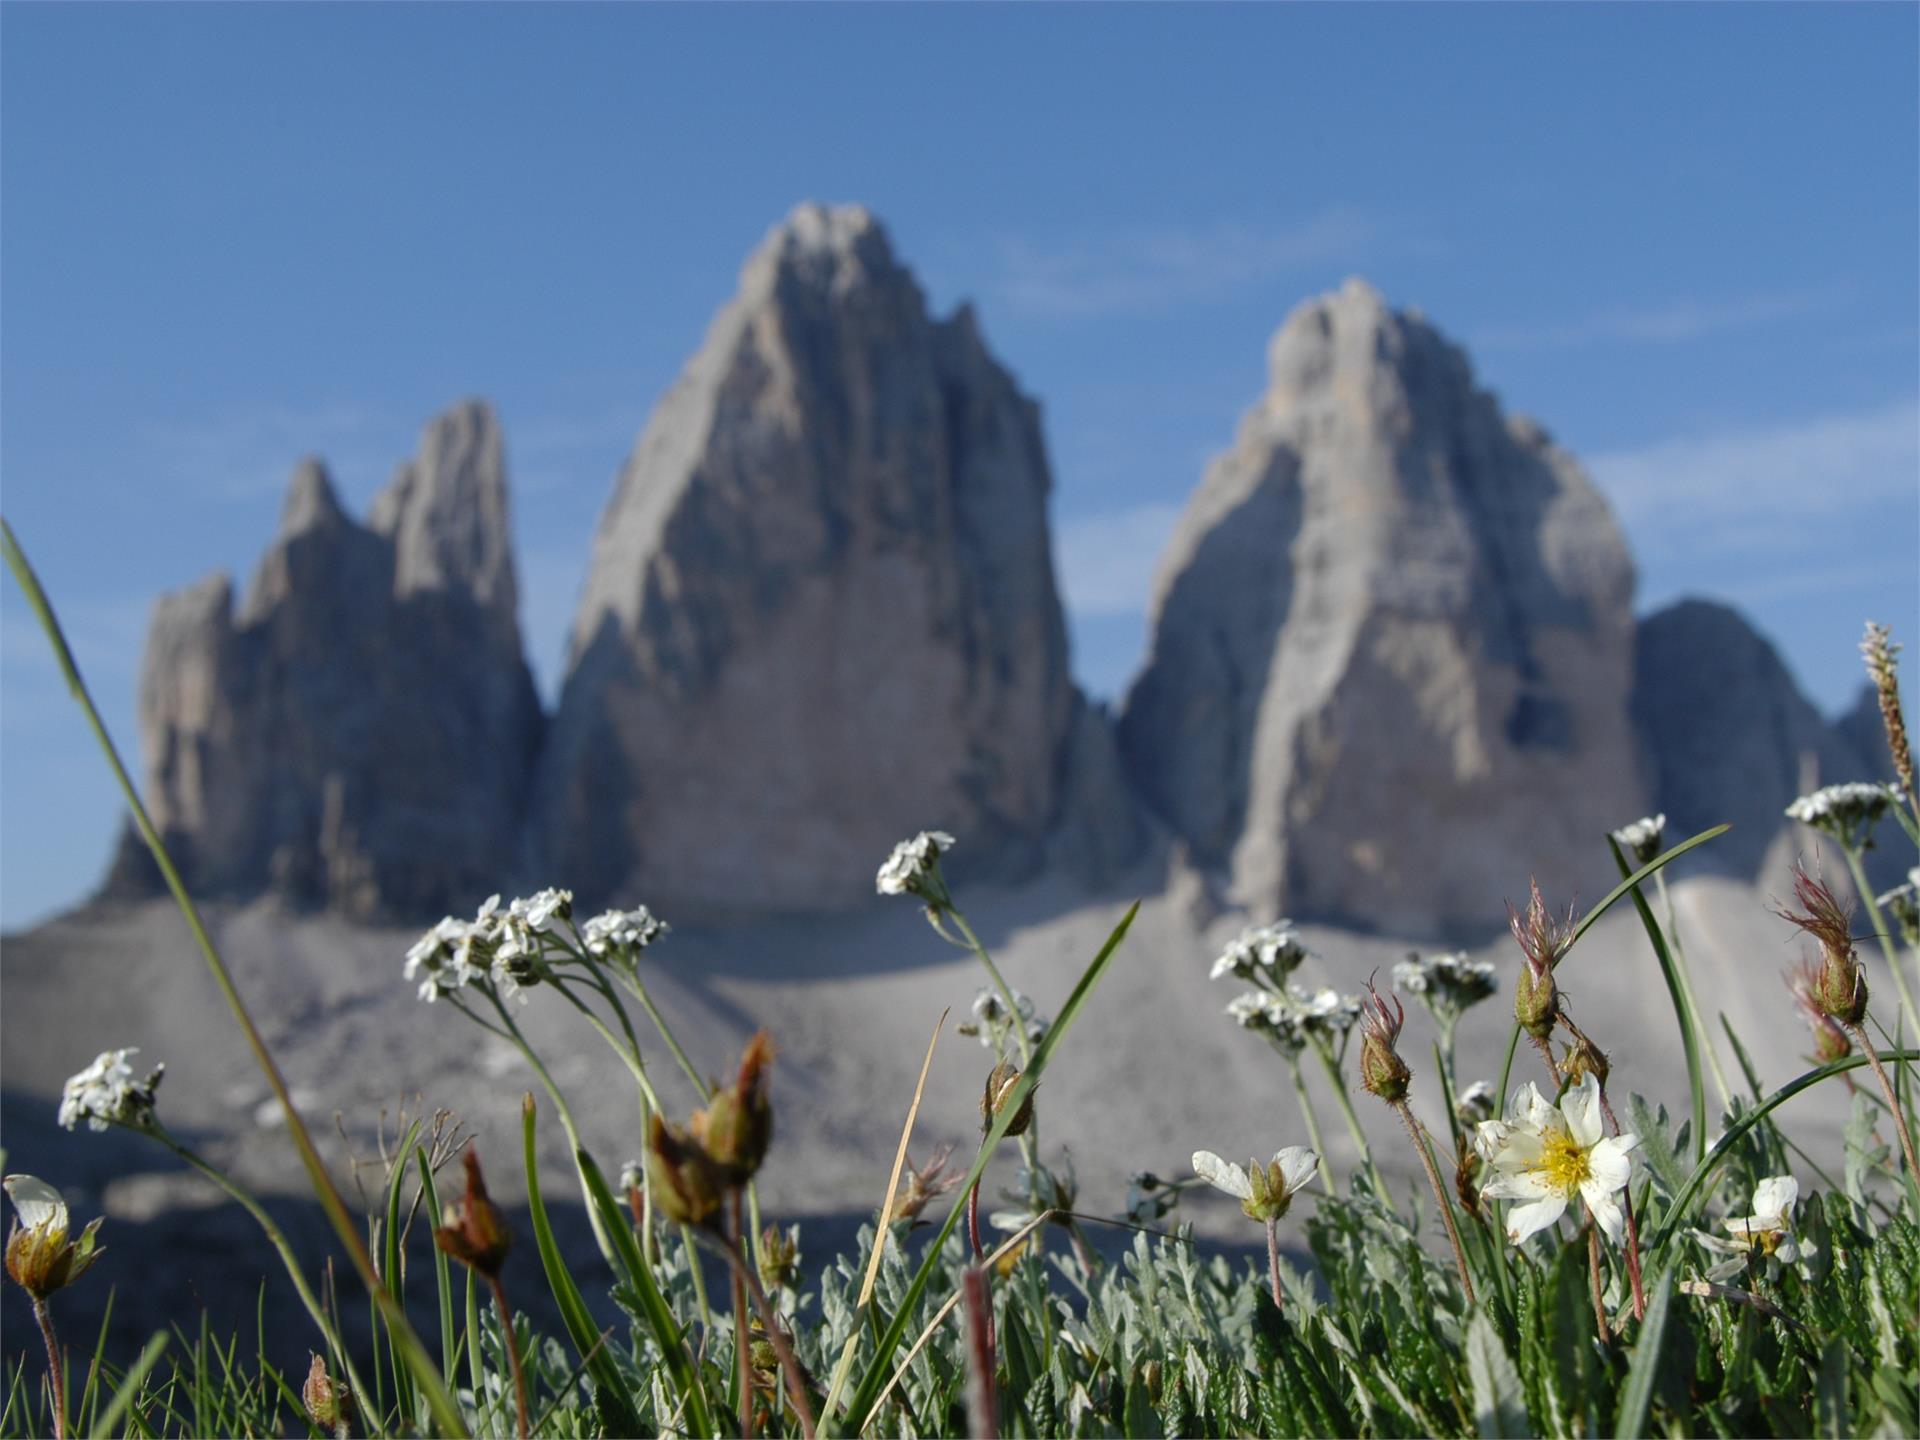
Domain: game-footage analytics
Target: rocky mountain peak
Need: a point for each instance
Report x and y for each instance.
(1392, 640)
(821, 610)
(311, 502)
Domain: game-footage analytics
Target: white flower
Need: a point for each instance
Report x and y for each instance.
(1545, 1154)
(1264, 1192)
(1641, 839)
(1903, 904)
(434, 952)
(37, 1203)
(1253, 1008)
(1771, 1224)
(1846, 812)
(105, 1093)
(542, 909)
(910, 869)
(628, 931)
(1475, 1103)
(1447, 983)
(1276, 949)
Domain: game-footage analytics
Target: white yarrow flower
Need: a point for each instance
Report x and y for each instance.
(1846, 812)
(1642, 838)
(1546, 1154)
(105, 1093)
(622, 931)
(912, 868)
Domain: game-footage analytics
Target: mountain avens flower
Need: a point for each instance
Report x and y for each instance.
(1766, 1233)
(1546, 1155)
(914, 869)
(1641, 839)
(1265, 1192)
(105, 1093)
(40, 1257)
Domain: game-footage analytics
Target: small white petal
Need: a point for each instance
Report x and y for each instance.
(1527, 1220)
(36, 1201)
(1582, 1109)
(1605, 1209)
(1297, 1165)
(1610, 1163)
(1776, 1196)
(1521, 1185)
(1222, 1174)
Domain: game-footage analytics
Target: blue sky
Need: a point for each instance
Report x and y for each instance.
(1685, 238)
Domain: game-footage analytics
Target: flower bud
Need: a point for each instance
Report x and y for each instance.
(779, 1255)
(685, 1183)
(1839, 986)
(329, 1402)
(1536, 1003)
(1382, 1071)
(475, 1230)
(1584, 1058)
(1001, 1082)
(737, 1126)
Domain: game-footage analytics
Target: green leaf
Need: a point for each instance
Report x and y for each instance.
(1677, 994)
(1499, 1407)
(879, 1367)
(610, 1388)
(1636, 1397)
(1830, 1391)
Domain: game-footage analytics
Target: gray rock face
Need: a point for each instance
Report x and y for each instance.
(821, 612)
(1392, 642)
(360, 733)
(1729, 738)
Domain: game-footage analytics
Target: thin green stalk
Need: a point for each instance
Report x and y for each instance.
(1345, 1102)
(1684, 1012)
(445, 1412)
(277, 1238)
(1907, 1011)
(1685, 973)
(1313, 1121)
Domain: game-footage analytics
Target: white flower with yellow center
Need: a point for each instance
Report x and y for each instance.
(1766, 1232)
(1545, 1154)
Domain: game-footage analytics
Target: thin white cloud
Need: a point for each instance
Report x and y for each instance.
(1674, 323)
(243, 456)
(1106, 560)
(1757, 480)
(1134, 269)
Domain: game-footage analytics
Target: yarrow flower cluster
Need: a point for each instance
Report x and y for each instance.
(1267, 953)
(1295, 1017)
(914, 869)
(105, 1093)
(509, 949)
(1546, 1154)
(1449, 983)
(1846, 812)
(1642, 838)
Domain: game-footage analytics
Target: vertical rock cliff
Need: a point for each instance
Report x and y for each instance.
(1392, 642)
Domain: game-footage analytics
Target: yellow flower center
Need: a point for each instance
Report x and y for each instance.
(1561, 1161)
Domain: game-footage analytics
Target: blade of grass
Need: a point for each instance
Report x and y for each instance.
(666, 1333)
(609, 1386)
(1682, 1000)
(442, 1270)
(1677, 1212)
(445, 1412)
(1636, 1396)
(861, 1404)
(129, 1388)
(1652, 867)
(845, 1364)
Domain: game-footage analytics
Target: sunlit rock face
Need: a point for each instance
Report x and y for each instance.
(821, 610)
(359, 732)
(1392, 643)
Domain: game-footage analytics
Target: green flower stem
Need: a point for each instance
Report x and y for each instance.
(1893, 1105)
(1353, 1120)
(445, 1412)
(278, 1239)
(1417, 1133)
(631, 980)
(1000, 984)
(1907, 1011)
(1313, 1121)
(629, 1053)
(1684, 974)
